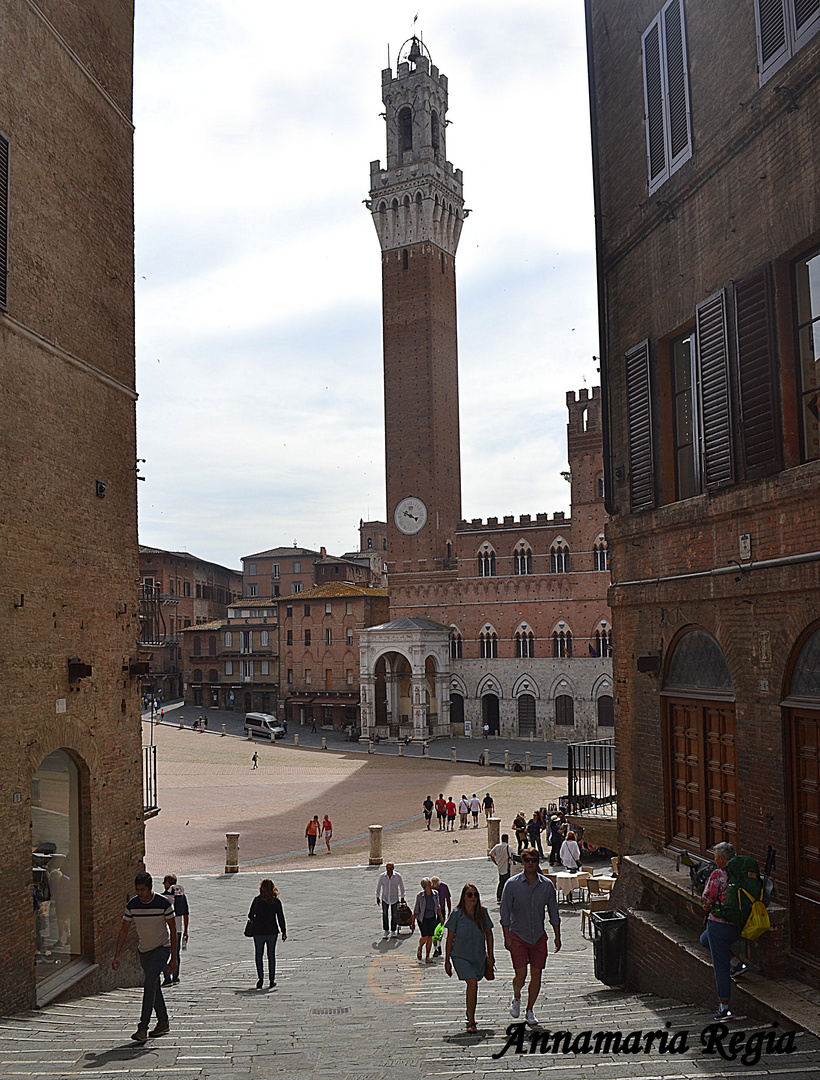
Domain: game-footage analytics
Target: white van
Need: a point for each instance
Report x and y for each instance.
(264, 724)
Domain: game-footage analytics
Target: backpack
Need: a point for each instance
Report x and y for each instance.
(743, 904)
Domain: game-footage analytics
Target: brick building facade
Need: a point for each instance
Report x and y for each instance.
(69, 712)
(509, 628)
(709, 296)
(285, 571)
(177, 590)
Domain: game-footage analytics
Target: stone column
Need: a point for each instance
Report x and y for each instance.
(443, 702)
(392, 685)
(493, 831)
(367, 701)
(375, 858)
(232, 853)
(418, 690)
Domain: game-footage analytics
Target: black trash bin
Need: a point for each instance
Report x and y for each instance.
(609, 946)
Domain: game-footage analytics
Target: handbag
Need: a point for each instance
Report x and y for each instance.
(249, 928)
(489, 970)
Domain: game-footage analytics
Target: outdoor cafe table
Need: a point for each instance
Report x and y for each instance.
(606, 882)
(567, 883)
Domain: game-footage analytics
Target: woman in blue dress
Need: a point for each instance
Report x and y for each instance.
(470, 946)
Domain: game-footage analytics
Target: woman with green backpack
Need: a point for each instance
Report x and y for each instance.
(734, 899)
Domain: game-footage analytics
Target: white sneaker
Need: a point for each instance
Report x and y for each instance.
(385, 935)
(515, 1008)
(531, 1018)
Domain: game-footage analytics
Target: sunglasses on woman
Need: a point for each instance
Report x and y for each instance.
(472, 895)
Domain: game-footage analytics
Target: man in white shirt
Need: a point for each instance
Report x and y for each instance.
(502, 856)
(475, 809)
(389, 890)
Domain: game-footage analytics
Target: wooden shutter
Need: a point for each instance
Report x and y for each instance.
(806, 19)
(713, 371)
(639, 428)
(676, 83)
(653, 101)
(4, 221)
(757, 374)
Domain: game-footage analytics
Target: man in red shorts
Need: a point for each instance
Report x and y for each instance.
(524, 901)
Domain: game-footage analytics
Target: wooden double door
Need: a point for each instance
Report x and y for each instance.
(803, 755)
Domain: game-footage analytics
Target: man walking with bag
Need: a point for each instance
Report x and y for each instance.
(502, 856)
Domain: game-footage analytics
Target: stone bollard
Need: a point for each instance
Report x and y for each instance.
(224, 732)
(453, 754)
(486, 755)
(232, 853)
(493, 831)
(549, 762)
(296, 738)
(250, 735)
(527, 762)
(324, 742)
(182, 721)
(507, 760)
(401, 748)
(370, 751)
(375, 858)
(425, 750)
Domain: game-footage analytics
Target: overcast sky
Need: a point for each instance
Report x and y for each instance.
(258, 285)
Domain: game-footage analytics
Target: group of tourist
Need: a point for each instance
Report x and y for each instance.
(446, 810)
(315, 830)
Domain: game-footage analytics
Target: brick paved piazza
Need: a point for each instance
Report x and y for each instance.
(207, 788)
(348, 1005)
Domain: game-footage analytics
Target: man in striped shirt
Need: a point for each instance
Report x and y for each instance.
(153, 918)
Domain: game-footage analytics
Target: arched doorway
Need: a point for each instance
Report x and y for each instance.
(55, 845)
(701, 759)
(526, 716)
(490, 713)
(802, 729)
(456, 709)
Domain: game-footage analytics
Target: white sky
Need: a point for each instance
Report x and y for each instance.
(258, 269)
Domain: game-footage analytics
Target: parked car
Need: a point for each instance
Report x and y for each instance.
(264, 724)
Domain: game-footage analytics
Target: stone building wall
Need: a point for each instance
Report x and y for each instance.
(69, 546)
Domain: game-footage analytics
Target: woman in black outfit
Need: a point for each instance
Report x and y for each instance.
(267, 918)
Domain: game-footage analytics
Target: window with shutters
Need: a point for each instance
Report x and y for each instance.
(807, 295)
(666, 94)
(4, 221)
(639, 426)
(783, 27)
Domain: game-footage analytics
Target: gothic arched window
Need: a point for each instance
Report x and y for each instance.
(522, 560)
(489, 645)
(405, 128)
(486, 564)
(601, 554)
(603, 642)
(456, 645)
(559, 558)
(562, 643)
(524, 644)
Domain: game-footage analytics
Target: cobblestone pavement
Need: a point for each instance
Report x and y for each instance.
(350, 1005)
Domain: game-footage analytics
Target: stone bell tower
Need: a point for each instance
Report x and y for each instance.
(418, 211)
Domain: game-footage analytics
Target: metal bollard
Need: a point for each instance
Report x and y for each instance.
(375, 858)
(507, 760)
(296, 738)
(453, 754)
(232, 853)
(527, 763)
